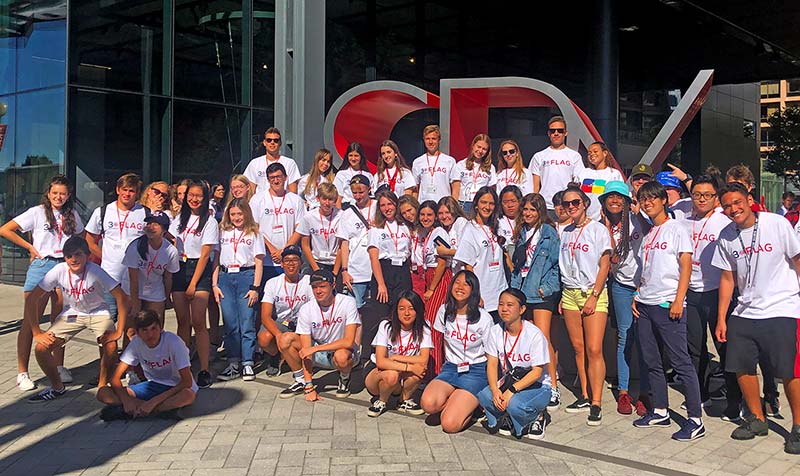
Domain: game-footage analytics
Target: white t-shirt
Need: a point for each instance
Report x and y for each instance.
(287, 298)
(682, 208)
(236, 247)
(581, 250)
(404, 345)
(342, 182)
(277, 217)
(628, 271)
(432, 174)
(352, 229)
(593, 183)
(530, 248)
(83, 294)
(424, 248)
(660, 258)
(454, 235)
(311, 198)
(508, 176)
(151, 271)
(47, 241)
(505, 228)
(704, 233)
(403, 180)
(191, 240)
(479, 248)
(322, 232)
(471, 180)
(393, 242)
(768, 287)
(161, 364)
(463, 342)
(528, 349)
(256, 171)
(555, 168)
(120, 227)
(327, 325)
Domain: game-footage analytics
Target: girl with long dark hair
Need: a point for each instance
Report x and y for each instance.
(389, 246)
(601, 171)
(393, 171)
(355, 163)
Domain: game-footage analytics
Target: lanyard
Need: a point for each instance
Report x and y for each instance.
(465, 338)
(575, 243)
(76, 290)
(393, 179)
(475, 176)
(510, 225)
(236, 241)
(61, 227)
(402, 350)
(277, 210)
(432, 171)
(188, 230)
(697, 241)
(152, 263)
(488, 237)
(330, 318)
(513, 346)
(395, 237)
(648, 246)
(325, 231)
(292, 300)
(748, 257)
(121, 221)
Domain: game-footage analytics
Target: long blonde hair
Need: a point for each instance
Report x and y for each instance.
(501, 163)
(250, 225)
(239, 178)
(313, 175)
(143, 199)
(486, 163)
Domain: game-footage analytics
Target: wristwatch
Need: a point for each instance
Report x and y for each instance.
(688, 177)
(595, 293)
(512, 389)
(253, 287)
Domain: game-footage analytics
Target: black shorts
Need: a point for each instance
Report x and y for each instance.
(550, 303)
(768, 342)
(180, 280)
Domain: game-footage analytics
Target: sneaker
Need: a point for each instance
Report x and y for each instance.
(377, 408)
(492, 430)
(231, 372)
(64, 374)
(555, 399)
(411, 407)
(705, 404)
(719, 394)
(203, 379)
(750, 428)
(537, 428)
(733, 414)
(792, 445)
(690, 431)
(24, 382)
(344, 387)
(504, 425)
(595, 416)
(641, 407)
(273, 365)
(248, 374)
(653, 420)
(221, 349)
(131, 378)
(579, 405)
(625, 404)
(114, 412)
(296, 388)
(772, 407)
(47, 395)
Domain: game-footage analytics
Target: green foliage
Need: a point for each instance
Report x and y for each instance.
(784, 158)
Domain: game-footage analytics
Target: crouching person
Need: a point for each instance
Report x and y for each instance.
(164, 358)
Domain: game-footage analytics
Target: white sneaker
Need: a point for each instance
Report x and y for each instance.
(65, 374)
(132, 378)
(24, 382)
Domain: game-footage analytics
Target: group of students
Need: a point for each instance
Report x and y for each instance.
(447, 264)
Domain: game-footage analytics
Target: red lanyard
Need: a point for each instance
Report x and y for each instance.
(475, 176)
(294, 298)
(403, 350)
(697, 240)
(488, 237)
(277, 210)
(428, 161)
(236, 241)
(575, 243)
(465, 338)
(188, 230)
(152, 263)
(648, 246)
(395, 236)
(120, 220)
(513, 346)
(393, 178)
(61, 227)
(510, 225)
(506, 178)
(76, 291)
(323, 230)
(320, 309)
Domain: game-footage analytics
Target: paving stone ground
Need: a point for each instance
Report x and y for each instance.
(242, 428)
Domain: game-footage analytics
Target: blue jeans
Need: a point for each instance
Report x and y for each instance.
(524, 407)
(622, 297)
(238, 317)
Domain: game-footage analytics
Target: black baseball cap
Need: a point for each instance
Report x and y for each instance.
(360, 179)
(292, 250)
(322, 275)
(158, 217)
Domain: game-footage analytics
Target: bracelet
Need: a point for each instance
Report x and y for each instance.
(253, 287)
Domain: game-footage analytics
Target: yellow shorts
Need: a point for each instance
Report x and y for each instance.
(574, 299)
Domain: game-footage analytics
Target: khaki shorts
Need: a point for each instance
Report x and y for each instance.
(68, 326)
(574, 299)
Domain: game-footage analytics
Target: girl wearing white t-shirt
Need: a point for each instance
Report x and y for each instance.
(519, 385)
(240, 188)
(465, 325)
(562, 218)
(196, 232)
(356, 164)
(402, 347)
(393, 171)
(473, 173)
(321, 172)
(237, 275)
(511, 171)
(584, 261)
(50, 224)
(481, 249)
(601, 171)
(389, 246)
(510, 199)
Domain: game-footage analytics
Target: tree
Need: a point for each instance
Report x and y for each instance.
(784, 158)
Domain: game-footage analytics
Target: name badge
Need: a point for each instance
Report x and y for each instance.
(184, 257)
(524, 271)
(494, 266)
(277, 230)
(114, 246)
(463, 367)
(58, 252)
(324, 254)
(431, 188)
(148, 288)
(234, 268)
(72, 319)
(397, 261)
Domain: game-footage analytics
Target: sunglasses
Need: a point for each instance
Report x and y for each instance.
(571, 203)
(508, 152)
(159, 192)
(559, 130)
(270, 140)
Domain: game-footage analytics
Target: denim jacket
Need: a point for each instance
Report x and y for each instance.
(544, 271)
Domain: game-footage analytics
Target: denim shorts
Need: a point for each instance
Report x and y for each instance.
(148, 390)
(324, 359)
(472, 381)
(36, 271)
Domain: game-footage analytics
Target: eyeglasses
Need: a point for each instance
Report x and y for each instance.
(270, 140)
(571, 203)
(508, 152)
(559, 130)
(192, 196)
(275, 177)
(704, 196)
(291, 260)
(159, 192)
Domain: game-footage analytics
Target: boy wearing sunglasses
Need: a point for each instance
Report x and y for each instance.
(556, 166)
(256, 170)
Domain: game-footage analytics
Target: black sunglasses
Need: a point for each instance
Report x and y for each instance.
(575, 203)
(560, 130)
(159, 192)
(508, 152)
(270, 139)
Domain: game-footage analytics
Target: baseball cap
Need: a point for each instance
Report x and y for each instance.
(668, 180)
(359, 179)
(292, 250)
(158, 217)
(322, 275)
(615, 186)
(642, 169)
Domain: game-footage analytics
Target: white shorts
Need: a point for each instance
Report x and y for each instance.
(68, 326)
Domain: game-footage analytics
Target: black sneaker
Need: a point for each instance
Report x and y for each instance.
(411, 407)
(296, 388)
(538, 427)
(114, 412)
(578, 406)
(492, 430)
(344, 387)
(792, 445)
(377, 408)
(555, 399)
(595, 416)
(231, 372)
(504, 425)
(750, 428)
(203, 379)
(273, 365)
(47, 395)
(772, 407)
(733, 413)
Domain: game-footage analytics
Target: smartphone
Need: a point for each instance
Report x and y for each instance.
(440, 241)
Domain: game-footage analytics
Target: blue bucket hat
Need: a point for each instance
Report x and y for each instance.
(668, 180)
(615, 186)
